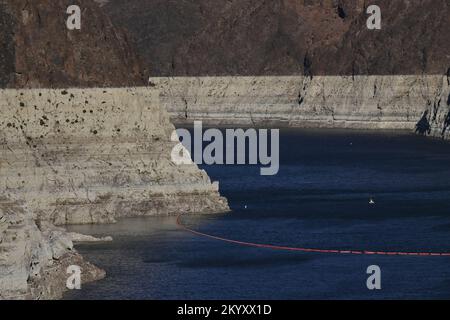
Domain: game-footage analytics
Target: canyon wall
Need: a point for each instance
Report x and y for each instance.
(436, 118)
(286, 37)
(358, 102)
(305, 63)
(91, 155)
(34, 256)
(39, 51)
(75, 156)
(94, 155)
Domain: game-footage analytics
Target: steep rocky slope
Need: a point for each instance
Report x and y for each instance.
(436, 118)
(77, 155)
(326, 44)
(414, 39)
(358, 102)
(39, 51)
(34, 256)
(287, 37)
(92, 155)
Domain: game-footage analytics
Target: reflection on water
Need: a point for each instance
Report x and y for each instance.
(319, 199)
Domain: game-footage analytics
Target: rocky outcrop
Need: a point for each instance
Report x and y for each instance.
(92, 155)
(287, 37)
(412, 40)
(34, 256)
(332, 71)
(37, 49)
(362, 102)
(76, 156)
(435, 120)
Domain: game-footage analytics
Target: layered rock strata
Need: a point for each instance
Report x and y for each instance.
(92, 155)
(287, 37)
(34, 256)
(77, 156)
(357, 102)
(37, 49)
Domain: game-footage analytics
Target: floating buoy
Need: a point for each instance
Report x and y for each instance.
(311, 250)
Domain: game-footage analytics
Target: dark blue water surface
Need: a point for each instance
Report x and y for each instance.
(319, 199)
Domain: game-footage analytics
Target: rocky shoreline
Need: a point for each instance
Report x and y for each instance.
(34, 256)
(82, 156)
(420, 103)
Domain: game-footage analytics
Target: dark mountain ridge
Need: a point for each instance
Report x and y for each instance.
(287, 37)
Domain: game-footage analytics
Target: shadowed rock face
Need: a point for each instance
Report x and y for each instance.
(7, 49)
(37, 50)
(287, 37)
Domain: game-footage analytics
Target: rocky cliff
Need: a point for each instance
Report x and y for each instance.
(287, 37)
(34, 256)
(358, 102)
(332, 71)
(77, 155)
(39, 51)
(435, 120)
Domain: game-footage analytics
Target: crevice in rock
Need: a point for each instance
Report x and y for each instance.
(307, 66)
(446, 124)
(186, 106)
(341, 12)
(423, 127)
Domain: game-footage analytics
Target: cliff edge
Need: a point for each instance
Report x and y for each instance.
(80, 142)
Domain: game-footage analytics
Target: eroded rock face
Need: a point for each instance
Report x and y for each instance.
(413, 40)
(92, 155)
(287, 37)
(34, 257)
(360, 102)
(37, 50)
(77, 156)
(435, 120)
(324, 45)
(7, 47)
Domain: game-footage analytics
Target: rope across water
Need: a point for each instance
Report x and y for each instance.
(310, 250)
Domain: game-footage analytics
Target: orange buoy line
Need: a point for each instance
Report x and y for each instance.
(310, 250)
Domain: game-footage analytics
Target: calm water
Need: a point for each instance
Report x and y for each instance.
(319, 199)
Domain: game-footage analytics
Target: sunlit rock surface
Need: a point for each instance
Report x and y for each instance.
(359, 102)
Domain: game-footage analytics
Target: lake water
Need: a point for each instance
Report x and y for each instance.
(319, 199)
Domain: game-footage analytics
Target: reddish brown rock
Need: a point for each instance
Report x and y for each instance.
(37, 49)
